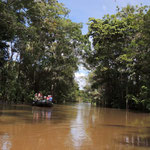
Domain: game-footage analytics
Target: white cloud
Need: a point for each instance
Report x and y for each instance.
(81, 82)
(81, 76)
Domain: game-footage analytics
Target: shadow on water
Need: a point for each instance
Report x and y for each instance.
(11, 114)
(16, 107)
(122, 126)
(33, 114)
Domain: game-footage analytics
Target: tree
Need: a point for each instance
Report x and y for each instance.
(40, 50)
(118, 56)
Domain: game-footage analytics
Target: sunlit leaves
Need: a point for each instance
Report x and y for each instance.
(48, 46)
(120, 56)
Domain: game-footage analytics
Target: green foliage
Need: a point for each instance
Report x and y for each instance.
(40, 48)
(142, 100)
(83, 96)
(120, 58)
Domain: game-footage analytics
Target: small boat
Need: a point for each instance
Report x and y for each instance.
(42, 103)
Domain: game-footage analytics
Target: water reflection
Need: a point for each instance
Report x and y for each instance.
(5, 142)
(136, 140)
(78, 127)
(73, 127)
(41, 114)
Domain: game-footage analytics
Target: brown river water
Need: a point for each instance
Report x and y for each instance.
(73, 127)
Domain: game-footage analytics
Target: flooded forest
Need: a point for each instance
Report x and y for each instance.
(41, 49)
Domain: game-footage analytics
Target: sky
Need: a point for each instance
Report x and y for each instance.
(82, 10)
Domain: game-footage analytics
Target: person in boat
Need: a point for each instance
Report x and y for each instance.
(36, 96)
(40, 96)
(50, 98)
(45, 98)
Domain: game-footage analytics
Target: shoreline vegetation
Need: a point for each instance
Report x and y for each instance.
(120, 59)
(41, 49)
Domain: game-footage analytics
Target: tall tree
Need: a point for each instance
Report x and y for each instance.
(44, 46)
(118, 56)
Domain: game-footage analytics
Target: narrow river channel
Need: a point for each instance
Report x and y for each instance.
(73, 127)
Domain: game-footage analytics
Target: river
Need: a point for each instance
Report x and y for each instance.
(73, 127)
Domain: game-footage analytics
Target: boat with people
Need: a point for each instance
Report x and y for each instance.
(42, 103)
(39, 100)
